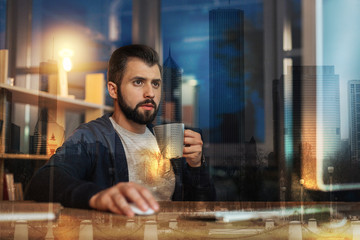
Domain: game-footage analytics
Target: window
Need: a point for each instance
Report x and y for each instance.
(244, 71)
(2, 23)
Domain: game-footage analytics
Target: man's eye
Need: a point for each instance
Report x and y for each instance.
(137, 82)
(156, 84)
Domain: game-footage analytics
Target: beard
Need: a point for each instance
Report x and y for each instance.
(134, 114)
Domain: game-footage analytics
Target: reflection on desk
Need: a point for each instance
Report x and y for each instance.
(342, 223)
(28, 211)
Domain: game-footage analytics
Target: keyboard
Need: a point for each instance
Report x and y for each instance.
(240, 215)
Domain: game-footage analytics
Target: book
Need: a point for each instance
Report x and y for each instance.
(9, 187)
(95, 88)
(4, 56)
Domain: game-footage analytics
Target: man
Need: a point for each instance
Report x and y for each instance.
(102, 165)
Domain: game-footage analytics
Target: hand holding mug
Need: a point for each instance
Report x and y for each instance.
(192, 148)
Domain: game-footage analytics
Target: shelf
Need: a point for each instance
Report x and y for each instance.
(32, 97)
(55, 104)
(24, 156)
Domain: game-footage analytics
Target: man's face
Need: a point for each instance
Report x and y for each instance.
(140, 91)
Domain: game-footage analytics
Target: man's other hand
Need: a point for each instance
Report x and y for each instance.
(116, 199)
(193, 148)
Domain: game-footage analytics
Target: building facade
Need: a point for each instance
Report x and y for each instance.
(172, 91)
(354, 119)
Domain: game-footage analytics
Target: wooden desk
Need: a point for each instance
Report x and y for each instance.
(168, 224)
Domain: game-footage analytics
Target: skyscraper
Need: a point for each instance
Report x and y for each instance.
(354, 117)
(227, 101)
(320, 124)
(311, 123)
(172, 84)
(227, 98)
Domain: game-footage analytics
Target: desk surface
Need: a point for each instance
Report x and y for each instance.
(169, 223)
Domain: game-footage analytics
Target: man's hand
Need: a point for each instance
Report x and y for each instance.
(193, 148)
(116, 199)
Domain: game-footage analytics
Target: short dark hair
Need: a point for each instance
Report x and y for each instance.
(119, 59)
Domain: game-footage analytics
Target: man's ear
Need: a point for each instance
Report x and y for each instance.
(112, 88)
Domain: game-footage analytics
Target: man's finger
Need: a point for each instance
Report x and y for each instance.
(131, 193)
(190, 133)
(114, 209)
(140, 196)
(148, 197)
(121, 205)
(192, 141)
(192, 138)
(192, 149)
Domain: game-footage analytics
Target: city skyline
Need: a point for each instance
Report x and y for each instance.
(307, 142)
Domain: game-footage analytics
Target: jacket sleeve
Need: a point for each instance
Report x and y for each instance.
(66, 177)
(197, 183)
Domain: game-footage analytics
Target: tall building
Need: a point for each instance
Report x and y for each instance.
(311, 123)
(172, 85)
(354, 118)
(320, 125)
(227, 97)
(227, 102)
(330, 112)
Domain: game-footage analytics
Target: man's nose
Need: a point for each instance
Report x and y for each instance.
(149, 91)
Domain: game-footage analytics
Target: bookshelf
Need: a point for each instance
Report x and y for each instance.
(30, 96)
(24, 156)
(93, 107)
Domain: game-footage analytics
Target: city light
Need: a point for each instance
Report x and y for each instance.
(193, 82)
(67, 64)
(66, 55)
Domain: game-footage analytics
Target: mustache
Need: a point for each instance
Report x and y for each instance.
(147, 101)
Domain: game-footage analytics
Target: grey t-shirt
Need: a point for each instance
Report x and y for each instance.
(145, 162)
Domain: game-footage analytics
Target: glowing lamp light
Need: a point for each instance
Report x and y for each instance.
(302, 181)
(67, 64)
(66, 55)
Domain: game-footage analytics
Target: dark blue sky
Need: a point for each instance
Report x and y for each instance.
(2, 23)
(186, 29)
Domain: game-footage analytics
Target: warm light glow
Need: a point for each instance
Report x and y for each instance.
(66, 55)
(67, 64)
(193, 82)
(156, 166)
(66, 52)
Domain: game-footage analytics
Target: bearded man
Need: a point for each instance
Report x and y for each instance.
(105, 163)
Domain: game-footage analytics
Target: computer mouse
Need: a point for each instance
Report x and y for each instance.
(138, 211)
